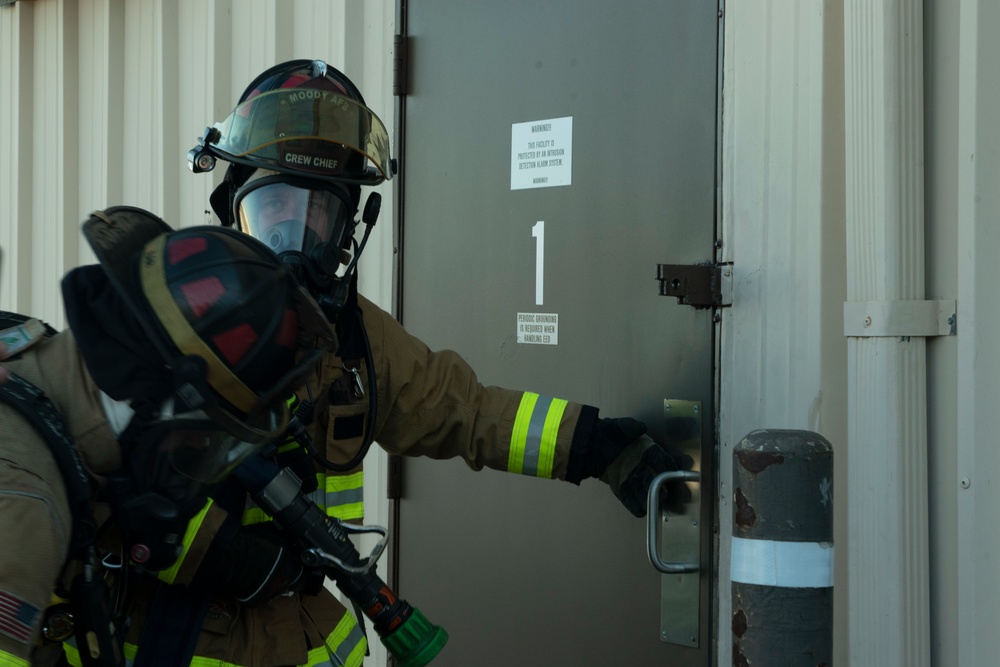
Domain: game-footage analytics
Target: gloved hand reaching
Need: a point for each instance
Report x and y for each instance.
(622, 455)
(260, 565)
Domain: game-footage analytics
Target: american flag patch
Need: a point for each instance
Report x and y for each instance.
(17, 617)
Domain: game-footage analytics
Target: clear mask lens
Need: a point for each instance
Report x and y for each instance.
(191, 449)
(203, 455)
(289, 218)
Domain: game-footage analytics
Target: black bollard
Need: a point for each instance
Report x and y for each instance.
(782, 564)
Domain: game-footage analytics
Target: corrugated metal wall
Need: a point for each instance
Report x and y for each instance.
(783, 353)
(103, 98)
(783, 356)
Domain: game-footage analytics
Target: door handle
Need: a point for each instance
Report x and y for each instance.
(653, 513)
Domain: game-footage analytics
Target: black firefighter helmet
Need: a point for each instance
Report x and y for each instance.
(299, 144)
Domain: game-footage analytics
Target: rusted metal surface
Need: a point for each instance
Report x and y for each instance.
(782, 481)
(782, 627)
(744, 515)
(783, 488)
(756, 461)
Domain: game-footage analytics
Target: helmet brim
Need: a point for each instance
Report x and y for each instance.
(117, 235)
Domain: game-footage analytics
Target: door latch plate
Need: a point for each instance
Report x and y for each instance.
(698, 285)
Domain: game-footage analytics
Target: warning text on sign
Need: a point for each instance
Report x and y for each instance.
(538, 328)
(541, 153)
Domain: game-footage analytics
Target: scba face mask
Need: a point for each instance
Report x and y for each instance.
(188, 452)
(310, 225)
(171, 464)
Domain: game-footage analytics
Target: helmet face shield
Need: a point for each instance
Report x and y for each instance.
(309, 131)
(290, 218)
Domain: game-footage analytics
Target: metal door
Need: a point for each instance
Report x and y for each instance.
(619, 99)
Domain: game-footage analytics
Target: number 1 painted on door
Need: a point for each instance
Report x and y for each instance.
(538, 231)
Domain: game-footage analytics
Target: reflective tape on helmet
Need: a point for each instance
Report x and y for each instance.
(783, 564)
(536, 432)
(154, 285)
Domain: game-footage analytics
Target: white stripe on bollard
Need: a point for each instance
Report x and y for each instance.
(785, 564)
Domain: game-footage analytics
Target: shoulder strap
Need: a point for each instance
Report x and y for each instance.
(42, 414)
(9, 319)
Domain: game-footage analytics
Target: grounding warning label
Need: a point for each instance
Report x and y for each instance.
(538, 328)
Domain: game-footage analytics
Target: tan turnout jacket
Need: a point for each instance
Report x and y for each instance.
(429, 404)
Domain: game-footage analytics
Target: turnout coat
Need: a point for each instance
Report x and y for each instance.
(429, 403)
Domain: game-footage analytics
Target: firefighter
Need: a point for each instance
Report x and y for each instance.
(300, 145)
(118, 434)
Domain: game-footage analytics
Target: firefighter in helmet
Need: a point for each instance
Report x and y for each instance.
(299, 145)
(118, 434)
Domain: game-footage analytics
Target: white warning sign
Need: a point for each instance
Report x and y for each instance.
(541, 153)
(538, 328)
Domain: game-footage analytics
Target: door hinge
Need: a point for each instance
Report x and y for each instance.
(698, 285)
(400, 64)
(394, 486)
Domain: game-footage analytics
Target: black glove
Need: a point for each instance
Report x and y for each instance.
(622, 455)
(259, 565)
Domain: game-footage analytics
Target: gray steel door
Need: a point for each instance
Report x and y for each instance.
(619, 100)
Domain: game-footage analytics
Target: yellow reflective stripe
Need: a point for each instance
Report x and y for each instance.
(346, 512)
(346, 644)
(535, 435)
(194, 525)
(550, 437)
(519, 436)
(340, 496)
(200, 661)
(344, 647)
(252, 515)
(7, 660)
(288, 446)
(345, 495)
(72, 654)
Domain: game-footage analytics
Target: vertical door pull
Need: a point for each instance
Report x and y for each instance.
(653, 514)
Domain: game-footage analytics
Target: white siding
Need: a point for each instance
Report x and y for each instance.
(783, 355)
(102, 100)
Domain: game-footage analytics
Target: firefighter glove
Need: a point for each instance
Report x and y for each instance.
(260, 566)
(634, 460)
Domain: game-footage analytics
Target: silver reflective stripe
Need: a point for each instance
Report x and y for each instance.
(536, 430)
(535, 435)
(345, 497)
(345, 647)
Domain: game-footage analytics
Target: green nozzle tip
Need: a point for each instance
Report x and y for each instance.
(416, 642)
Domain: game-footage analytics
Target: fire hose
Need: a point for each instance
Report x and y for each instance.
(324, 543)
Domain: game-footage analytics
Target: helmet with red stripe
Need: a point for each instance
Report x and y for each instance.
(299, 144)
(238, 332)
